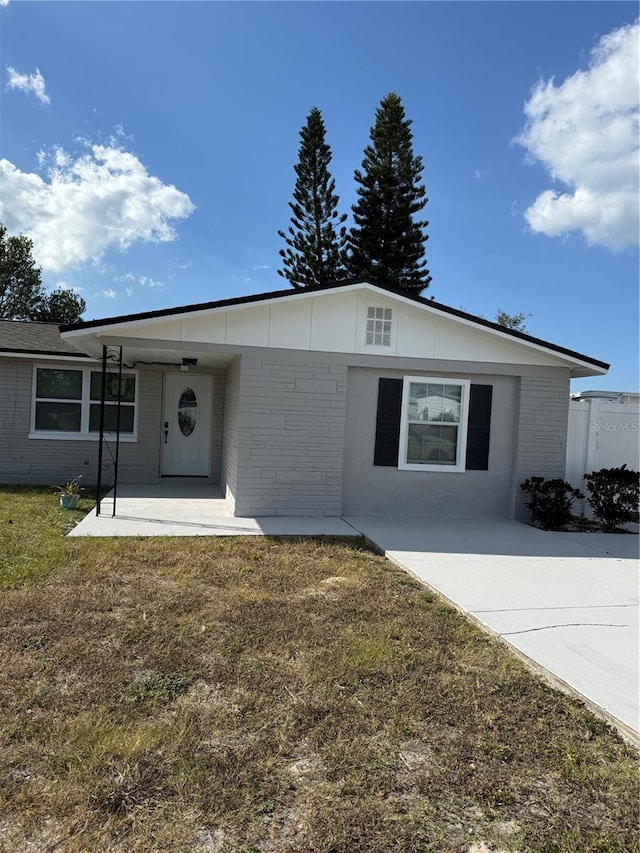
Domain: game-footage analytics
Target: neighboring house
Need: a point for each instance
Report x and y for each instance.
(623, 398)
(345, 399)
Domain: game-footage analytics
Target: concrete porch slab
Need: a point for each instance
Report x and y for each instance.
(192, 507)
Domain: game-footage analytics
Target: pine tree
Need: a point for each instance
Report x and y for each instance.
(386, 243)
(316, 252)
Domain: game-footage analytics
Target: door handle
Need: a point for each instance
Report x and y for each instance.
(166, 431)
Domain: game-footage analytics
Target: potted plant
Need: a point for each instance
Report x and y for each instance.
(69, 494)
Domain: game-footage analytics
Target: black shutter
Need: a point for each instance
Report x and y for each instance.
(478, 427)
(388, 422)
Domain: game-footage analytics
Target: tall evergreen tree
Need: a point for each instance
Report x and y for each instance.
(387, 243)
(316, 252)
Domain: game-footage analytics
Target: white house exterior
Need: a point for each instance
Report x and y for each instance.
(346, 399)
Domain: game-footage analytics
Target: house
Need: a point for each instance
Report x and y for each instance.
(622, 398)
(351, 398)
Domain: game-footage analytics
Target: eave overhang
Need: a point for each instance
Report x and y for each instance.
(88, 335)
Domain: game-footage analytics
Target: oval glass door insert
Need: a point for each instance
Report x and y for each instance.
(187, 411)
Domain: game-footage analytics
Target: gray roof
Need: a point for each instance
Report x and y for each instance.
(28, 336)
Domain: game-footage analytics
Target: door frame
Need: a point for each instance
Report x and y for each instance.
(209, 417)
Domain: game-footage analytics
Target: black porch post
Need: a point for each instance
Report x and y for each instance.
(115, 472)
(103, 387)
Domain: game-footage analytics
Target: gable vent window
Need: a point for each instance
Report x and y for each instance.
(378, 327)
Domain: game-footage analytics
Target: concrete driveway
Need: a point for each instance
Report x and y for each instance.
(566, 601)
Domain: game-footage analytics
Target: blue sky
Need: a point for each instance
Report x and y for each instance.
(148, 148)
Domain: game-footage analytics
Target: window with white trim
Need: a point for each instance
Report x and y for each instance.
(433, 425)
(66, 403)
(378, 333)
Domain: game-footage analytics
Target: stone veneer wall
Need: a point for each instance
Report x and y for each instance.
(541, 434)
(217, 420)
(229, 454)
(290, 436)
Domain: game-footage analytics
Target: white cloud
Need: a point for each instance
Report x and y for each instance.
(119, 133)
(110, 293)
(142, 280)
(62, 285)
(261, 267)
(147, 281)
(584, 131)
(102, 199)
(480, 175)
(28, 83)
(4, 2)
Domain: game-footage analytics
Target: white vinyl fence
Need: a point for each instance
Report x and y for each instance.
(601, 435)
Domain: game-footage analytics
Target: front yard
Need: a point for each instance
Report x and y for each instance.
(227, 695)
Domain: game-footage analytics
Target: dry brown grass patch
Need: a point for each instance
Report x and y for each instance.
(236, 695)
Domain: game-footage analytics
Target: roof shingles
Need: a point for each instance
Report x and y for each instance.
(30, 337)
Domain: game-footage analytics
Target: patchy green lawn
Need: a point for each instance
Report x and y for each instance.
(218, 695)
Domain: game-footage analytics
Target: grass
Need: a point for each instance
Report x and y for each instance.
(244, 695)
(31, 529)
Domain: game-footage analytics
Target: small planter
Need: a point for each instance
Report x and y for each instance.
(69, 494)
(69, 501)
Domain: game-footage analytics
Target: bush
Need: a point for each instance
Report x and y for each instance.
(551, 501)
(613, 495)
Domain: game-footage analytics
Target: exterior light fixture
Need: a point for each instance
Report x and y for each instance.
(187, 363)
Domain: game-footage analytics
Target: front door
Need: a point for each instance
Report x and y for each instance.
(186, 426)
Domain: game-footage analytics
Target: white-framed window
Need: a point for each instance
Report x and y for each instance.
(66, 403)
(433, 424)
(379, 327)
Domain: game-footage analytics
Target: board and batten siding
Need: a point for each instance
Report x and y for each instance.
(335, 322)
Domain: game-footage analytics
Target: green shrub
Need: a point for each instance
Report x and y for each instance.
(613, 495)
(550, 502)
